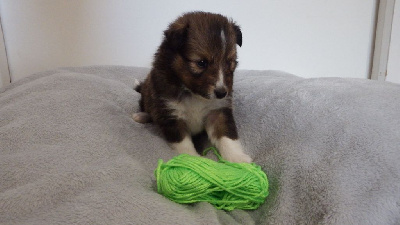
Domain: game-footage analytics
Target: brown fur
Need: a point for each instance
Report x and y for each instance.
(177, 73)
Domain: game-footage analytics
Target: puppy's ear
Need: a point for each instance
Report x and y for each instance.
(176, 36)
(238, 32)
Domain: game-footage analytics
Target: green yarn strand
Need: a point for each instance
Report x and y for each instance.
(226, 185)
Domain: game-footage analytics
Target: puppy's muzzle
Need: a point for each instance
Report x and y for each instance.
(220, 92)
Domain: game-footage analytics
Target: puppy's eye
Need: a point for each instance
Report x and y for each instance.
(202, 64)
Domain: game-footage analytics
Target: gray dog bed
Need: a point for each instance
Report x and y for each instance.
(70, 152)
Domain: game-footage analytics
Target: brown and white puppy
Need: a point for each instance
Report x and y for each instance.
(189, 88)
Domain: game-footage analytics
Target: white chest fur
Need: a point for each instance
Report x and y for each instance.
(194, 110)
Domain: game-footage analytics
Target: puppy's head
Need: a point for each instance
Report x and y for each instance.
(204, 52)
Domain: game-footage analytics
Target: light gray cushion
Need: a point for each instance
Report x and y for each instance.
(70, 152)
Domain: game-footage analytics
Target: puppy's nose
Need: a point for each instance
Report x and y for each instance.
(220, 92)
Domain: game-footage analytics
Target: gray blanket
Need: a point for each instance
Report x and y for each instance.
(70, 152)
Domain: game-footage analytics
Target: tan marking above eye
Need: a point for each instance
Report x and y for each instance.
(195, 58)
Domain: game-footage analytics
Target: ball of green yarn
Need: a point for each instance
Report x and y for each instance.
(226, 185)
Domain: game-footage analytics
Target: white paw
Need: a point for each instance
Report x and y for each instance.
(141, 117)
(231, 150)
(185, 147)
(237, 157)
(136, 85)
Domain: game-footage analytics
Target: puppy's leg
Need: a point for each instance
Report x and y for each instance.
(221, 130)
(141, 117)
(177, 136)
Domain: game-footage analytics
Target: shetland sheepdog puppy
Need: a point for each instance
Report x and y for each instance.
(189, 88)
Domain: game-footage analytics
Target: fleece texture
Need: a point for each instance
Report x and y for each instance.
(70, 152)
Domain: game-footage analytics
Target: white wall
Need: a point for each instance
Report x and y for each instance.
(393, 68)
(4, 72)
(310, 38)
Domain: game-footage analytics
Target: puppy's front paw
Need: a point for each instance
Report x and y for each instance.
(185, 147)
(231, 150)
(237, 157)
